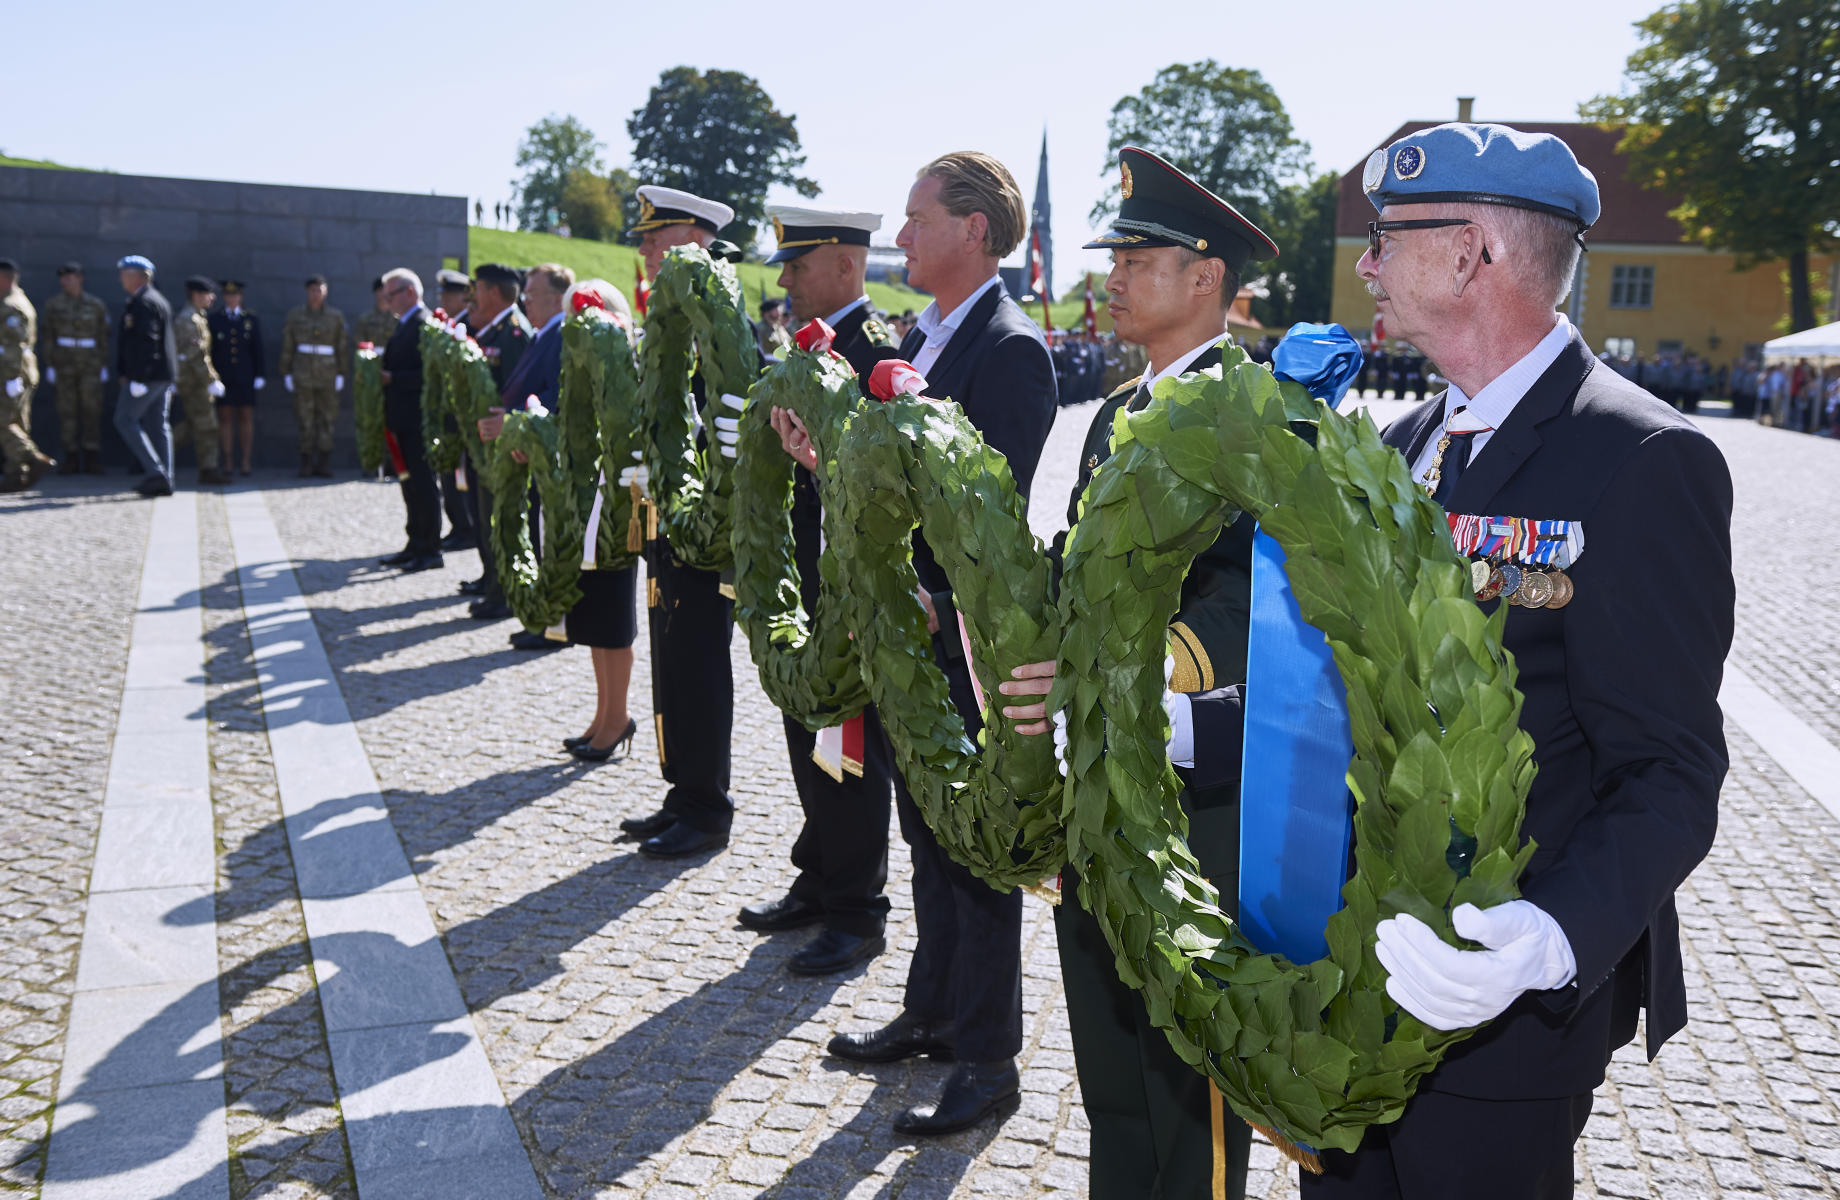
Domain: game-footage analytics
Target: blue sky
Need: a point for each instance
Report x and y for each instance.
(433, 97)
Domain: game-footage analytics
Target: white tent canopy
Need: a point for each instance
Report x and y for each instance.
(1820, 342)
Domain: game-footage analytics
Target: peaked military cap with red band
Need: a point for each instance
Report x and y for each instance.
(661, 206)
(1160, 206)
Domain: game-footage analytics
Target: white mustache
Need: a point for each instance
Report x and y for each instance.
(1375, 290)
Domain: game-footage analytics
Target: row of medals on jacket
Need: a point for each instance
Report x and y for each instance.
(1495, 578)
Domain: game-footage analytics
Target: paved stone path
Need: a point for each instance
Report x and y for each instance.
(640, 1042)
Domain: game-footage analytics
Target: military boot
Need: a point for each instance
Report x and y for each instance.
(92, 462)
(306, 465)
(322, 464)
(73, 462)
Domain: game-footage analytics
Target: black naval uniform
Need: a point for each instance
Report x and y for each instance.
(1621, 699)
(1159, 1128)
(691, 617)
(145, 354)
(503, 344)
(236, 352)
(842, 850)
(402, 416)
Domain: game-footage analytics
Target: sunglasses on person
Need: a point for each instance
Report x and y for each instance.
(1376, 228)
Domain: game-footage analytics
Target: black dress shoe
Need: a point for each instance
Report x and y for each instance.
(423, 562)
(459, 541)
(523, 639)
(488, 610)
(681, 841)
(397, 559)
(473, 587)
(903, 1037)
(973, 1092)
(616, 750)
(787, 912)
(155, 484)
(833, 951)
(644, 827)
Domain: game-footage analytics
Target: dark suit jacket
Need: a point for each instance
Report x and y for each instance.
(236, 348)
(538, 373)
(402, 358)
(1622, 703)
(144, 350)
(998, 368)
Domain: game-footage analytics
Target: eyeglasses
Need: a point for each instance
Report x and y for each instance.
(1376, 228)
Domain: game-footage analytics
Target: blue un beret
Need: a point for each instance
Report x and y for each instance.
(135, 262)
(1460, 163)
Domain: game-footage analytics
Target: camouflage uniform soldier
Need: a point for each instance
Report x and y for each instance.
(313, 354)
(379, 323)
(76, 361)
(24, 461)
(199, 386)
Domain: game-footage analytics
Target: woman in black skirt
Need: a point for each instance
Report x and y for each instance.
(604, 618)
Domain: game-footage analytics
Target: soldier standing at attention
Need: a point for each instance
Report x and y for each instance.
(25, 462)
(76, 360)
(313, 353)
(146, 362)
(379, 323)
(236, 352)
(199, 386)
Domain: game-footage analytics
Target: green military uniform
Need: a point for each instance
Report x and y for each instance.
(314, 351)
(198, 385)
(1160, 1130)
(76, 359)
(24, 461)
(374, 327)
(1124, 362)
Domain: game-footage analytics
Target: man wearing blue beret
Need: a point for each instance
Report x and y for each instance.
(146, 364)
(1620, 655)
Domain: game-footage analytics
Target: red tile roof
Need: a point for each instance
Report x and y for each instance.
(1632, 213)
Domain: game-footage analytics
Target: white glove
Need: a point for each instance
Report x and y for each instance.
(105, 374)
(1447, 988)
(1060, 742)
(50, 374)
(1181, 728)
(638, 474)
(338, 383)
(261, 383)
(728, 433)
(287, 381)
(137, 390)
(215, 389)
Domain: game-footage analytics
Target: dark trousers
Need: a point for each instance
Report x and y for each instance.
(1159, 1129)
(492, 591)
(693, 691)
(967, 965)
(143, 424)
(421, 494)
(1454, 1148)
(457, 504)
(842, 851)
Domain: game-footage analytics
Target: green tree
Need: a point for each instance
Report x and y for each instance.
(1735, 105)
(1299, 284)
(1223, 126)
(549, 153)
(717, 134)
(594, 205)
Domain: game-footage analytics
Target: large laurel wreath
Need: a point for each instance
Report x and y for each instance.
(367, 409)
(442, 448)
(1315, 1052)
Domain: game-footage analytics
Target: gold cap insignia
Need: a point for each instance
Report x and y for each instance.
(646, 209)
(1126, 168)
(779, 230)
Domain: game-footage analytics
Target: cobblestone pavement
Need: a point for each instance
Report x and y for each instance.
(648, 1046)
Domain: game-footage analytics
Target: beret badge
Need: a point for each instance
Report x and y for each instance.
(1408, 162)
(1374, 174)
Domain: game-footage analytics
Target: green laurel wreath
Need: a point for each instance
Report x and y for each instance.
(466, 387)
(541, 585)
(696, 303)
(601, 428)
(367, 409)
(1315, 1052)
(443, 451)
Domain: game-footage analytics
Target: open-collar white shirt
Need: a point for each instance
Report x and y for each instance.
(939, 330)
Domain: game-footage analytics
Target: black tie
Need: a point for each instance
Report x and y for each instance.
(1456, 458)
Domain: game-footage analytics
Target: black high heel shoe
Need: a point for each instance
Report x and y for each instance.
(571, 743)
(621, 746)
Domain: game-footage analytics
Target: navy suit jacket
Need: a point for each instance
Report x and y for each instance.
(998, 368)
(538, 373)
(402, 358)
(1621, 691)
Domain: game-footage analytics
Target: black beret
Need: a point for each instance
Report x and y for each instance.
(198, 283)
(313, 279)
(70, 268)
(377, 284)
(498, 273)
(7, 264)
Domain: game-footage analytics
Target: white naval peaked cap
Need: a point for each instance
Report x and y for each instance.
(802, 230)
(661, 206)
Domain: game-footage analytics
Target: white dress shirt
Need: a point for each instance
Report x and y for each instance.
(939, 330)
(1181, 364)
(1492, 405)
(411, 312)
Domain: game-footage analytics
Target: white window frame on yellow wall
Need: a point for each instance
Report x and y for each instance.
(1632, 285)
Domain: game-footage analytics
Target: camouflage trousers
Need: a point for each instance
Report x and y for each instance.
(200, 425)
(16, 444)
(79, 405)
(316, 408)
